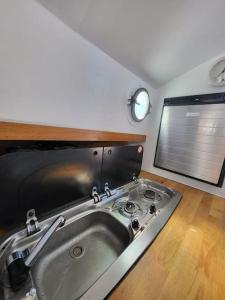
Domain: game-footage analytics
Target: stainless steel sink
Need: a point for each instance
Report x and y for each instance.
(78, 254)
(98, 244)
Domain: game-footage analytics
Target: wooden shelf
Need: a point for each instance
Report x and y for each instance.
(31, 132)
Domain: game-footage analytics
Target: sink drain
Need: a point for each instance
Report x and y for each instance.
(76, 252)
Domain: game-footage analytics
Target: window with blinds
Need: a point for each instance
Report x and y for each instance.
(191, 138)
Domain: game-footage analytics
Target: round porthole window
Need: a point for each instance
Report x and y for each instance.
(140, 104)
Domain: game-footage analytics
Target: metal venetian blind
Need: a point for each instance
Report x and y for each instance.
(191, 139)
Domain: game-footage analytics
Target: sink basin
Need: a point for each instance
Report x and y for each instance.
(78, 254)
(92, 252)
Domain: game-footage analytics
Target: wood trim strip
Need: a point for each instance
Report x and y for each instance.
(31, 132)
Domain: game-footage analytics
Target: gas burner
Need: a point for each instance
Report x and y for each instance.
(152, 195)
(130, 209)
(149, 194)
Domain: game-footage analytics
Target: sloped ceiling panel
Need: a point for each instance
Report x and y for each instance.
(157, 40)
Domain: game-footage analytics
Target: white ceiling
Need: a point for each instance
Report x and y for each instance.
(155, 39)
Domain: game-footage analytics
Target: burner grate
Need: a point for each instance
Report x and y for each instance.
(149, 194)
(130, 209)
(152, 195)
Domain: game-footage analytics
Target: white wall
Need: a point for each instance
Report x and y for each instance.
(50, 74)
(193, 82)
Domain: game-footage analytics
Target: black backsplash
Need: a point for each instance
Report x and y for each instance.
(121, 164)
(50, 175)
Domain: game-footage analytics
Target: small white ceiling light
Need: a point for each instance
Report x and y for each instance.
(217, 73)
(140, 105)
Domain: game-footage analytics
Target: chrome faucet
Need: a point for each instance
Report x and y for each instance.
(18, 263)
(31, 259)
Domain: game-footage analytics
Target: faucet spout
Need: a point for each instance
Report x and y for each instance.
(18, 266)
(31, 259)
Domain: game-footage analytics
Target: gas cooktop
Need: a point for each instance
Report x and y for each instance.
(141, 203)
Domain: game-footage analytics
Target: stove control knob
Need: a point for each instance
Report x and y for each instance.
(135, 224)
(152, 209)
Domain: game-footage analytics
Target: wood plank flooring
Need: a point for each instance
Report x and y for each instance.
(187, 259)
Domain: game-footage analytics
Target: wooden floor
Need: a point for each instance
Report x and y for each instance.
(187, 259)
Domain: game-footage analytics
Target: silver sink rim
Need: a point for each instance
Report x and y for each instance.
(112, 275)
